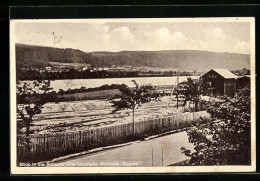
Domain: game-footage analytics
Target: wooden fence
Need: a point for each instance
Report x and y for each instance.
(52, 145)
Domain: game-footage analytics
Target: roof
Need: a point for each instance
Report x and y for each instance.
(243, 76)
(225, 73)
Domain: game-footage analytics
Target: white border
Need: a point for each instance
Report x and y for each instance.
(174, 169)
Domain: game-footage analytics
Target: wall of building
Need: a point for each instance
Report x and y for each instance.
(230, 87)
(214, 80)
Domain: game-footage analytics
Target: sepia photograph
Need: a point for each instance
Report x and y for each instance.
(137, 95)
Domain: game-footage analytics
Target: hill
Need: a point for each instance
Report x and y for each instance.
(38, 56)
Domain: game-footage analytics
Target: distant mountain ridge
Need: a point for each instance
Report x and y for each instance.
(38, 56)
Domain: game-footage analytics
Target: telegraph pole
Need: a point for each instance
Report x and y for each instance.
(177, 92)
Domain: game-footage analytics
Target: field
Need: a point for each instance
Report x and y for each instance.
(82, 115)
(103, 94)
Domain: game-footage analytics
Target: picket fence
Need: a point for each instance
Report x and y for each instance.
(52, 145)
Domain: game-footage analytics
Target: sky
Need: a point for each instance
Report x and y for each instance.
(232, 37)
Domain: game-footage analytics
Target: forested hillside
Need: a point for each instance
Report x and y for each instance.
(37, 56)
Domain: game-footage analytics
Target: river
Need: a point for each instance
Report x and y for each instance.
(91, 83)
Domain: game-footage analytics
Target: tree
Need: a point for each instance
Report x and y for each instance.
(61, 92)
(226, 140)
(191, 90)
(133, 98)
(31, 96)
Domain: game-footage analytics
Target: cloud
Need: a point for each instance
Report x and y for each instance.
(215, 34)
(216, 40)
(242, 47)
(117, 39)
(104, 37)
(163, 39)
(122, 34)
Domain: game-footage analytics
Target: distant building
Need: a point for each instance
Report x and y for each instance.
(121, 69)
(57, 70)
(62, 67)
(48, 68)
(128, 67)
(222, 80)
(86, 67)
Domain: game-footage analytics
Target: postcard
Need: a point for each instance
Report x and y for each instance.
(136, 95)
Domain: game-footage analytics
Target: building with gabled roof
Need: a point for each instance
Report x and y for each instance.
(220, 81)
(225, 73)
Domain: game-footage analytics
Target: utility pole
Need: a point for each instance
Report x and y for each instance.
(162, 152)
(173, 89)
(152, 156)
(133, 120)
(177, 92)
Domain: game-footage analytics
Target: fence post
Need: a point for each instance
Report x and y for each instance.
(80, 143)
(53, 144)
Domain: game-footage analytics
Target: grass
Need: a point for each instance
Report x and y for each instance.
(103, 94)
